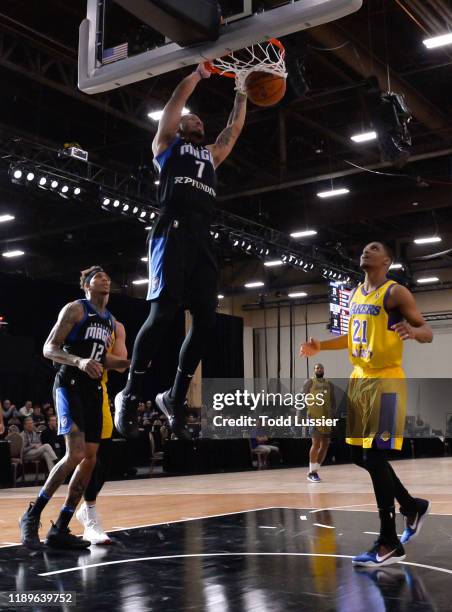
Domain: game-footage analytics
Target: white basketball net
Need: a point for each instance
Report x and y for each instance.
(262, 57)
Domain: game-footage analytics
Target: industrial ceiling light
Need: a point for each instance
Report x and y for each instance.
(303, 234)
(273, 263)
(254, 284)
(77, 191)
(438, 41)
(427, 240)
(297, 294)
(10, 254)
(157, 115)
(427, 280)
(364, 137)
(332, 193)
(6, 218)
(140, 281)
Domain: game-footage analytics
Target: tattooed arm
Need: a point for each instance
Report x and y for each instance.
(69, 316)
(228, 137)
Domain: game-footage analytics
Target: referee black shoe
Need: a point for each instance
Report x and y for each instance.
(29, 530)
(175, 413)
(63, 539)
(126, 421)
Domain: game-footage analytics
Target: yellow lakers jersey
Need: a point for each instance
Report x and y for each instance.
(371, 341)
(321, 408)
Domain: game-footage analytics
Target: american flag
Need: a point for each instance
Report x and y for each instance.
(115, 53)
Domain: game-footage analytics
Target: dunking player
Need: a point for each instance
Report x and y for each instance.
(79, 341)
(320, 436)
(182, 265)
(383, 314)
(87, 513)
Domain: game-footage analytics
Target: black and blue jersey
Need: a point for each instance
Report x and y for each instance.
(90, 337)
(188, 181)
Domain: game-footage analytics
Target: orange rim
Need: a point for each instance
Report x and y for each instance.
(231, 75)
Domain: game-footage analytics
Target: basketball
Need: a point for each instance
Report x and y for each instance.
(265, 89)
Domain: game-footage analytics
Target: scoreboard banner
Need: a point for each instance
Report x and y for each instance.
(339, 308)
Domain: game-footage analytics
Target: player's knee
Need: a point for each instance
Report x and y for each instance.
(75, 456)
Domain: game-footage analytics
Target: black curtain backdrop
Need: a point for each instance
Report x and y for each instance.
(31, 308)
(224, 355)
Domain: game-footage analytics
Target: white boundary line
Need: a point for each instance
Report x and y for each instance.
(223, 554)
(197, 518)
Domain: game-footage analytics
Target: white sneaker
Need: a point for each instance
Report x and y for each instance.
(93, 528)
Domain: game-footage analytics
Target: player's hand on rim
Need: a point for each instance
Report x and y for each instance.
(310, 348)
(405, 330)
(203, 71)
(94, 369)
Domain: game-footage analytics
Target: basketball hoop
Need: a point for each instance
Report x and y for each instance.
(262, 57)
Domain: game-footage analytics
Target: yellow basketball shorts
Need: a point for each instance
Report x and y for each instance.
(377, 401)
(107, 420)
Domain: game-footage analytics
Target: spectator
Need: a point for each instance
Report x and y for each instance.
(33, 448)
(2, 423)
(140, 414)
(50, 436)
(193, 425)
(37, 416)
(263, 445)
(15, 418)
(8, 409)
(26, 410)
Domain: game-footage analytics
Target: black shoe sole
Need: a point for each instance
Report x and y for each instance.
(65, 545)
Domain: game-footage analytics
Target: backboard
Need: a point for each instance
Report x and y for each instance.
(105, 65)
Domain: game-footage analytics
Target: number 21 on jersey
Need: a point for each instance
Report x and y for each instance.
(360, 331)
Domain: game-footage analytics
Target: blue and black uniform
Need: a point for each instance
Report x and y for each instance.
(182, 264)
(78, 398)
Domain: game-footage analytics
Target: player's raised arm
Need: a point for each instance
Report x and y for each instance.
(415, 326)
(117, 358)
(313, 346)
(69, 316)
(172, 113)
(228, 137)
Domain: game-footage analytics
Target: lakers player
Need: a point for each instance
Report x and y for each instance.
(383, 314)
(320, 436)
(87, 514)
(182, 265)
(79, 341)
